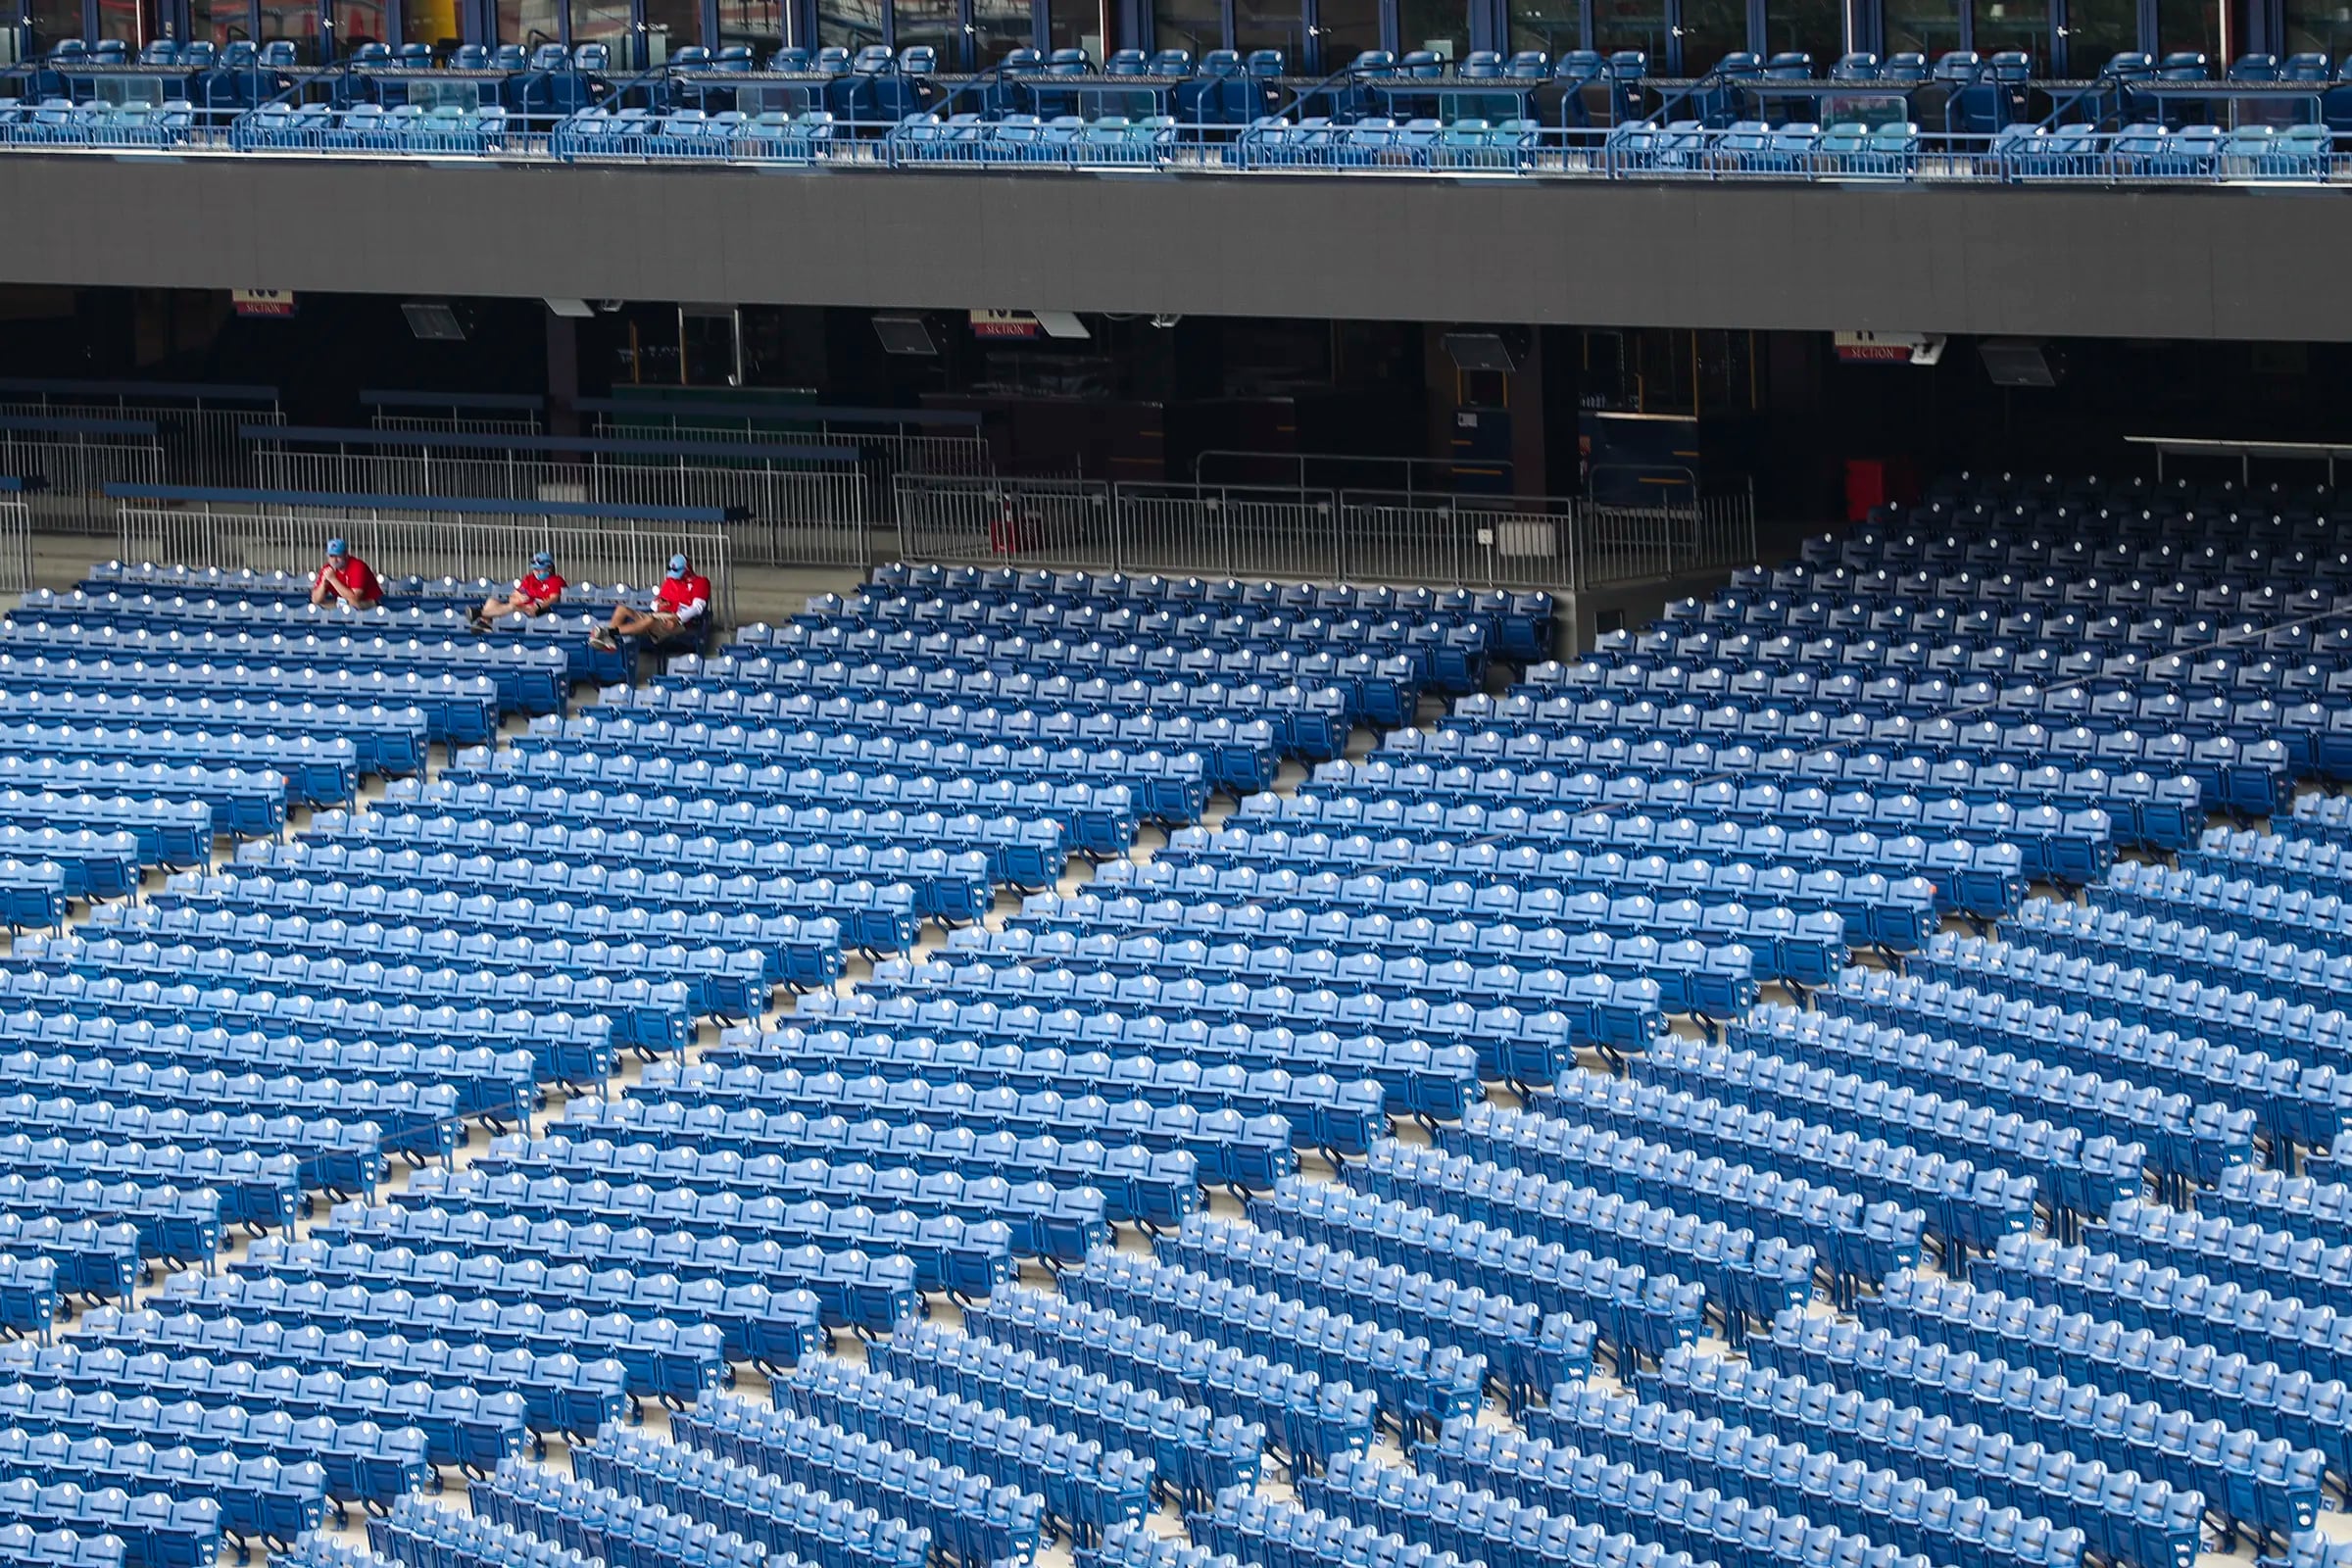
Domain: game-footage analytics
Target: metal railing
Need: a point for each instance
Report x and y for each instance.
(202, 439)
(16, 545)
(74, 468)
(1332, 535)
(891, 452)
(454, 423)
(778, 514)
(421, 542)
(2035, 154)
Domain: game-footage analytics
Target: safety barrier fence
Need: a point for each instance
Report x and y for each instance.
(1865, 150)
(1363, 535)
(783, 505)
(198, 427)
(67, 464)
(15, 540)
(482, 537)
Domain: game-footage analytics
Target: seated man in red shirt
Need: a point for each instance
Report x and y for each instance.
(680, 604)
(536, 592)
(345, 579)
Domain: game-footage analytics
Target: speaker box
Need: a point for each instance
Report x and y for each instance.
(2022, 361)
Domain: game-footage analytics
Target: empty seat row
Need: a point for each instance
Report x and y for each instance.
(795, 950)
(1028, 851)
(2187, 1144)
(1233, 1149)
(1062, 1224)
(2253, 1020)
(853, 1288)
(260, 1498)
(971, 1513)
(965, 1260)
(1196, 1452)
(1428, 1084)
(444, 889)
(1857, 1242)
(521, 1303)
(1967, 1208)
(2293, 1102)
(2158, 1439)
(1154, 1187)
(456, 708)
(1528, 1352)
(2077, 1175)
(1635, 1313)
(526, 680)
(337, 1156)
(1085, 1490)
(1418, 1385)
(1338, 1113)
(1374, 932)
(1856, 1445)
(1306, 1420)
(1876, 910)
(1743, 1278)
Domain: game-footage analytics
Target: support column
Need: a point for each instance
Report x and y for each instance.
(563, 374)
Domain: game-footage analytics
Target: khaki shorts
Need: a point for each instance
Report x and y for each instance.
(665, 627)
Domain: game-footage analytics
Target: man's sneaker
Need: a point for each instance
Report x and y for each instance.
(481, 624)
(602, 640)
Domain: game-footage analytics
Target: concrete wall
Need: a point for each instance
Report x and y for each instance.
(2244, 263)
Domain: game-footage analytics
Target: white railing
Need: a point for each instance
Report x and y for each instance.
(1307, 533)
(422, 543)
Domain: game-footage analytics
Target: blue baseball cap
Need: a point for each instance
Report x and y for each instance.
(543, 562)
(336, 547)
(678, 566)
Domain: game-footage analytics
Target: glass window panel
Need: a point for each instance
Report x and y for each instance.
(1631, 24)
(2325, 25)
(2002, 25)
(220, 21)
(1194, 24)
(1554, 27)
(1816, 27)
(926, 21)
(295, 21)
(850, 24)
(2216, 28)
(530, 23)
(605, 21)
(126, 19)
(1344, 28)
(54, 21)
(1711, 29)
(1075, 25)
(1001, 24)
(428, 22)
(1271, 25)
(1439, 25)
(1928, 27)
(357, 22)
(2097, 31)
(672, 24)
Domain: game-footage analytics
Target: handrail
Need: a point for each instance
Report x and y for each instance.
(332, 499)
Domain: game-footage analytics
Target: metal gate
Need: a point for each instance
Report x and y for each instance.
(1461, 540)
(201, 428)
(423, 543)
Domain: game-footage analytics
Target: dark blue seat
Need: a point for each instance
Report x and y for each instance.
(1860, 66)
(1789, 66)
(2254, 68)
(1906, 66)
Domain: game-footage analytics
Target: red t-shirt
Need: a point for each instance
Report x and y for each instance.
(539, 589)
(355, 576)
(679, 594)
